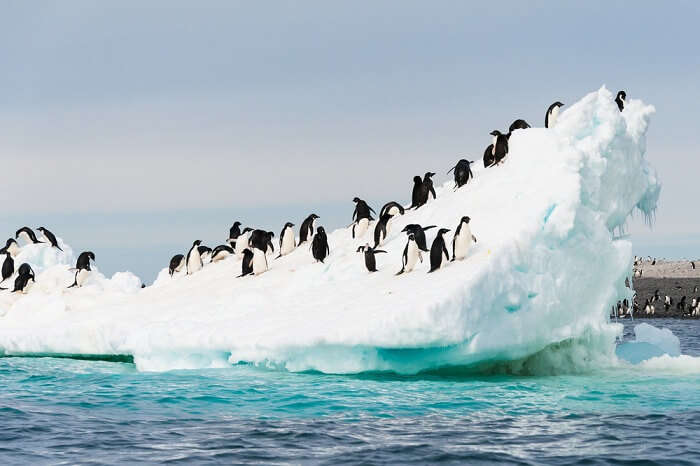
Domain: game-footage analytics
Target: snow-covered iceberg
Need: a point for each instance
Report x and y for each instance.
(540, 281)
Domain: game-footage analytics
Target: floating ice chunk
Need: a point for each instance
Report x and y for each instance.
(662, 338)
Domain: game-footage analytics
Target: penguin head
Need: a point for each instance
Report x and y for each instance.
(41, 229)
(10, 242)
(356, 199)
(270, 234)
(556, 105)
(621, 95)
(428, 175)
(288, 225)
(197, 243)
(236, 224)
(442, 231)
(410, 228)
(496, 133)
(411, 237)
(247, 229)
(314, 216)
(320, 230)
(465, 219)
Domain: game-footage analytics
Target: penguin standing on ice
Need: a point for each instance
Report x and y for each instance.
(11, 248)
(287, 239)
(204, 253)
(463, 172)
(25, 279)
(83, 262)
(427, 188)
(306, 232)
(221, 252)
(550, 119)
(369, 252)
(380, 229)
(437, 250)
(50, 238)
(488, 156)
(462, 240)
(193, 262)
(393, 208)
(417, 193)
(80, 278)
(418, 233)
(319, 245)
(246, 263)
(411, 255)
(233, 233)
(242, 241)
(620, 100)
(26, 234)
(500, 146)
(517, 124)
(8, 268)
(176, 264)
(261, 240)
(361, 217)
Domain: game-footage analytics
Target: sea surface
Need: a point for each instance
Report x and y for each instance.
(66, 411)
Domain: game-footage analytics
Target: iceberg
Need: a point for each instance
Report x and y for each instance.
(536, 288)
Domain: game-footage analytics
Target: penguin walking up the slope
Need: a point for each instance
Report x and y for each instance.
(462, 172)
(25, 279)
(193, 262)
(82, 269)
(517, 124)
(437, 250)
(287, 239)
(428, 187)
(8, 268)
(176, 264)
(418, 233)
(246, 263)
(381, 228)
(462, 240)
(361, 217)
(241, 242)
(319, 245)
(50, 238)
(620, 100)
(204, 253)
(411, 255)
(11, 248)
(27, 235)
(221, 252)
(500, 146)
(550, 118)
(369, 252)
(233, 233)
(306, 232)
(417, 193)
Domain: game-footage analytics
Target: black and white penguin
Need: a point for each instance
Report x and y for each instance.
(437, 250)
(11, 248)
(620, 100)
(233, 233)
(361, 217)
(27, 235)
(488, 156)
(418, 233)
(8, 268)
(259, 261)
(287, 239)
(550, 118)
(23, 282)
(428, 187)
(417, 193)
(306, 232)
(463, 171)
(242, 241)
(319, 245)
(221, 252)
(176, 264)
(83, 262)
(80, 278)
(50, 238)
(393, 208)
(380, 229)
(463, 239)
(204, 253)
(500, 146)
(369, 252)
(26, 269)
(517, 124)
(262, 240)
(246, 263)
(411, 255)
(193, 261)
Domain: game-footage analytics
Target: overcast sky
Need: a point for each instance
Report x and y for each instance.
(136, 128)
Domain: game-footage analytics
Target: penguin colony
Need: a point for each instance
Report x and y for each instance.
(253, 245)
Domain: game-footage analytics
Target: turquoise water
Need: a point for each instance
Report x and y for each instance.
(70, 411)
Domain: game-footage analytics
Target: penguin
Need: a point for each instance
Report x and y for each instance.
(411, 255)
(204, 252)
(319, 245)
(27, 235)
(418, 233)
(437, 250)
(11, 248)
(23, 283)
(8, 267)
(176, 264)
(246, 263)
(428, 186)
(517, 124)
(417, 193)
(463, 172)
(193, 262)
(262, 240)
(393, 208)
(380, 229)
(369, 253)
(361, 217)
(306, 232)
(550, 119)
(242, 241)
(26, 269)
(620, 100)
(83, 261)
(50, 238)
(233, 233)
(488, 156)
(462, 239)
(80, 278)
(500, 146)
(259, 261)
(221, 252)
(287, 239)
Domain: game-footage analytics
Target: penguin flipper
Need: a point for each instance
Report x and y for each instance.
(429, 227)
(400, 271)
(377, 251)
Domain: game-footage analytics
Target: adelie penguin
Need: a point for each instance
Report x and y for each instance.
(242, 241)
(193, 261)
(411, 255)
(620, 100)
(361, 217)
(428, 187)
(11, 248)
(418, 233)
(26, 234)
(80, 278)
(25, 279)
(463, 172)
(381, 228)
(499, 148)
(176, 264)
(517, 124)
(416, 194)
(83, 262)
(462, 240)
(438, 250)
(204, 253)
(261, 240)
(369, 252)
(246, 263)
(306, 232)
(287, 239)
(50, 238)
(8, 267)
(233, 233)
(550, 118)
(221, 252)
(319, 245)
(393, 208)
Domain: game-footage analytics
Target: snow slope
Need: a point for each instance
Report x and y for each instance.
(544, 273)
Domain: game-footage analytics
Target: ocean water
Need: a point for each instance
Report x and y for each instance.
(67, 411)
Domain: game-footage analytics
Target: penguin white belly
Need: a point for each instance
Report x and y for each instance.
(25, 237)
(81, 277)
(241, 243)
(412, 256)
(463, 242)
(195, 262)
(259, 261)
(287, 242)
(553, 117)
(180, 265)
(221, 255)
(493, 149)
(394, 211)
(13, 249)
(361, 227)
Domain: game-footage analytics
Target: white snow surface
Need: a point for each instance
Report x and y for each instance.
(546, 269)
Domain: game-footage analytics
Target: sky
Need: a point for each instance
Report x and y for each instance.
(132, 128)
